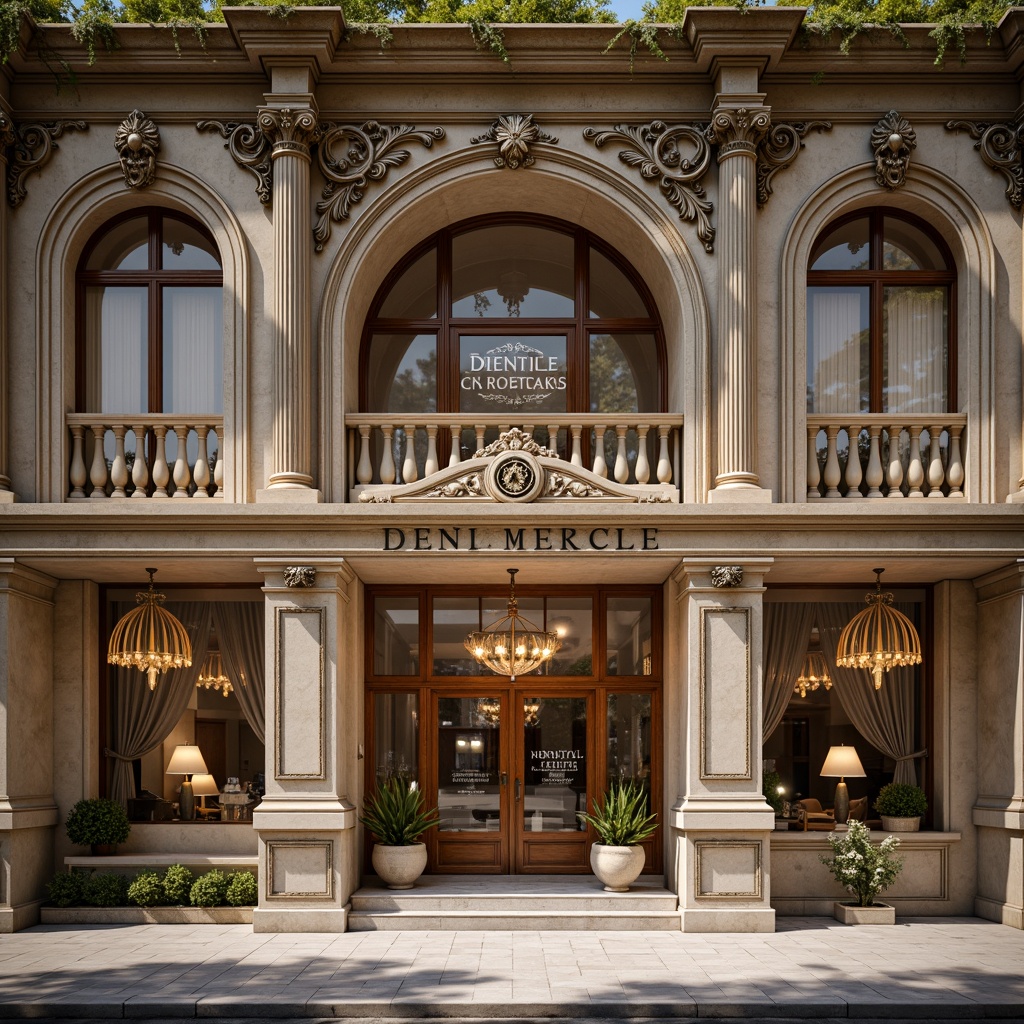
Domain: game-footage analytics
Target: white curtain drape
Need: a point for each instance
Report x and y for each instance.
(116, 343)
(239, 627)
(193, 357)
(835, 325)
(142, 718)
(787, 633)
(885, 717)
(915, 337)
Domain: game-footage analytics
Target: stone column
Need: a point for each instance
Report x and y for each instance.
(737, 128)
(308, 864)
(721, 824)
(28, 814)
(291, 130)
(6, 139)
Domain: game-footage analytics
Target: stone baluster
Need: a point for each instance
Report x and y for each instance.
(290, 132)
(409, 471)
(813, 470)
(915, 471)
(874, 476)
(664, 462)
(553, 436)
(456, 456)
(161, 471)
(98, 468)
(577, 445)
(955, 470)
(119, 467)
(387, 458)
(936, 471)
(621, 471)
(431, 466)
(140, 471)
(895, 471)
(201, 473)
(364, 469)
(480, 431)
(643, 466)
(182, 476)
(218, 468)
(854, 472)
(600, 466)
(77, 473)
(832, 472)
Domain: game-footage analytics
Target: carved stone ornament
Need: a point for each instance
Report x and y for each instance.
(514, 134)
(654, 151)
(778, 148)
(892, 141)
(726, 576)
(351, 157)
(137, 140)
(469, 486)
(300, 576)
(1000, 147)
(735, 129)
(29, 148)
(249, 148)
(514, 440)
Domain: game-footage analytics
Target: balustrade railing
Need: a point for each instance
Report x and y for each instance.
(630, 448)
(882, 456)
(144, 456)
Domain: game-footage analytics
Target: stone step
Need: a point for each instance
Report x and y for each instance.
(376, 900)
(520, 920)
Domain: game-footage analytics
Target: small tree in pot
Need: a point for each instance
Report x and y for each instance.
(621, 822)
(99, 823)
(864, 870)
(901, 806)
(395, 816)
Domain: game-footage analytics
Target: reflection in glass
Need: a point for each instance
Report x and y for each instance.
(497, 374)
(629, 636)
(414, 294)
(396, 635)
(844, 247)
(612, 294)
(117, 356)
(555, 763)
(915, 335)
(396, 736)
(838, 349)
(124, 247)
(907, 247)
(186, 248)
(193, 358)
(468, 749)
(629, 737)
(453, 619)
(402, 373)
(572, 619)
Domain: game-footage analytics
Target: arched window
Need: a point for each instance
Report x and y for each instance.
(150, 325)
(880, 317)
(513, 315)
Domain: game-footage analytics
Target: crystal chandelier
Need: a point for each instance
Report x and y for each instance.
(813, 673)
(149, 637)
(489, 709)
(513, 645)
(878, 637)
(211, 675)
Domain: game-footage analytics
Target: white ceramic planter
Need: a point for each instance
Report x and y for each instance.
(617, 867)
(399, 866)
(850, 913)
(901, 824)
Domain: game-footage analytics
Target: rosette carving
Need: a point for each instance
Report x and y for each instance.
(654, 151)
(892, 141)
(137, 140)
(351, 157)
(779, 148)
(514, 134)
(30, 147)
(1000, 147)
(249, 148)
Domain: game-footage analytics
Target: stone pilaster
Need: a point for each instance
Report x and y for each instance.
(6, 140)
(27, 810)
(291, 131)
(307, 836)
(721, 824)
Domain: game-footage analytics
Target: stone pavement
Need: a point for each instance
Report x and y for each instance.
(925, 968)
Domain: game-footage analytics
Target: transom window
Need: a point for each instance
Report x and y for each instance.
(880, 337)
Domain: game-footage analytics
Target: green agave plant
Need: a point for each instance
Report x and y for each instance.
(622, 819)
(394, 814)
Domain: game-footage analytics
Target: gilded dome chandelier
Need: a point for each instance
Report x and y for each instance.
(513, 645)
(212, 676)
(813, 673)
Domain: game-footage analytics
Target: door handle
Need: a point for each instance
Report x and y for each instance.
(519, 787)
(504, 778)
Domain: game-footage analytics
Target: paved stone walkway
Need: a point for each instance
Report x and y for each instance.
(932, 968)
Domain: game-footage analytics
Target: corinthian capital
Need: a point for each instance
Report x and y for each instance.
(738, 129)
(289, 130)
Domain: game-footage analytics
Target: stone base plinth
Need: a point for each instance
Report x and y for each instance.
(850, 913)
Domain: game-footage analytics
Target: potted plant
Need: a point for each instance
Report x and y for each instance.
(99, 823)
(622, 823)
(864, 870)
(395, 816)
(901, 806)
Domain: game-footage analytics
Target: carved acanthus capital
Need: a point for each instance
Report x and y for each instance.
(137, 140)
(738, 129)
(778, 148)
(654, 150)
(300, 576)
(30, 147)
(514, 134)
(288, 130)
(892, 142)
(726, 576)
(249, 148)
(1000, 147)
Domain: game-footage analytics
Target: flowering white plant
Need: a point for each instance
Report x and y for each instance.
(861, 867)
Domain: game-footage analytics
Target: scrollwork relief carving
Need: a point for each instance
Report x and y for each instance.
(469, 486)
(560, 486)
(778, 148)
(726, 576)
(300, 576)
(351, 157)
(514, 134)
(654, 151)
(30, 147)
(137, 140)
(1000, 147)
(738, 129)
(892, 141)
(512, 441)
(249, 148)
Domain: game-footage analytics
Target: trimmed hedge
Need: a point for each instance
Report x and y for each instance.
(178, 887)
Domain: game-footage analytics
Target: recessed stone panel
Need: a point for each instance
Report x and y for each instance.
(299, 742)
(727, 870)
(725, 693)
(300, 868)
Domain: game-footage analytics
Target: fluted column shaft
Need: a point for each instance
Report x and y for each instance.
(291, 132)
(737, 131)
(6, 139)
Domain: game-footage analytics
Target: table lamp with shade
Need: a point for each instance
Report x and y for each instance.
(841, 762)
(202, 787)
(187, 760)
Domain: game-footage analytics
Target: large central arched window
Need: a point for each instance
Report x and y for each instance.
(518, 316)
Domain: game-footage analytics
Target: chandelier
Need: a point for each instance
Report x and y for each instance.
(149, 637)
(211, 675)
(513, 645)
(813, 673)
(878, 637)
(489, 709)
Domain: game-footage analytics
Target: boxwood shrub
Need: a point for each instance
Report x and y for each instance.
(106, 889)
(177, 884)
(146, 890)
(209, 890)
(242, 889)
(65, 889)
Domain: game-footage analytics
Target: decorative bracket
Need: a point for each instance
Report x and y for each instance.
(1000, 147)
(30, 147)
(778, 148)
(653, 149)
(351, 157)
(514, 134)
(250, 148)
(892, 140)
(137, 140)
